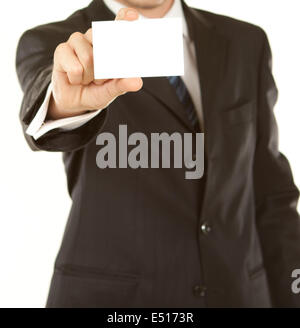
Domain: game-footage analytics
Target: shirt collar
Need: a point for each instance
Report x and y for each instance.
(175, 11)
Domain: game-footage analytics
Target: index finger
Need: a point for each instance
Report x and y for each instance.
(89, 35)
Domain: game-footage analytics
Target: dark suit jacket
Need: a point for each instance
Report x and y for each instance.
(143, 238)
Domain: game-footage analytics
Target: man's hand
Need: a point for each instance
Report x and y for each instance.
(74, 89)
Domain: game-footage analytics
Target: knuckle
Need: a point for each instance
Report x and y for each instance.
(60, 48)
(77, 70)
(89, 35)
(76, 36)
(89, 32)
(87, 59)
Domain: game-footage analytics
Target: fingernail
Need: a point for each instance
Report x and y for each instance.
(131, 13)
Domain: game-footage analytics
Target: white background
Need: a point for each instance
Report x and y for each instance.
(33, 199)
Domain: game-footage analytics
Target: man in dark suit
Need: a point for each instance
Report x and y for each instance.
(150, 237)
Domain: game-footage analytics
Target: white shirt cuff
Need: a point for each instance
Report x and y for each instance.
(39, 127)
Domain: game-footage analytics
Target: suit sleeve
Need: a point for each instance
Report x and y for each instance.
(276, 195)
(34, 62)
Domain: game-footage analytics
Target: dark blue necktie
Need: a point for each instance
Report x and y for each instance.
(185, 99)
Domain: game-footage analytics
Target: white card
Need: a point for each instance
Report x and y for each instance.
(141, 48)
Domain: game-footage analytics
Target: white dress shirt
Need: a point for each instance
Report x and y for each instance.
(39, 126)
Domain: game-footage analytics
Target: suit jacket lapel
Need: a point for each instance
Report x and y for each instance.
(161, 89)
(211, 50)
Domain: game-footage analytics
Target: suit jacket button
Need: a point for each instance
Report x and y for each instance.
(205, 228)
(199, 291)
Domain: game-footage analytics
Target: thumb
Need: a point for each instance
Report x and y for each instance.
(129, 14)
(99, 96)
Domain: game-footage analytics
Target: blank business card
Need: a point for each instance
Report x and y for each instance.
(141, 48)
